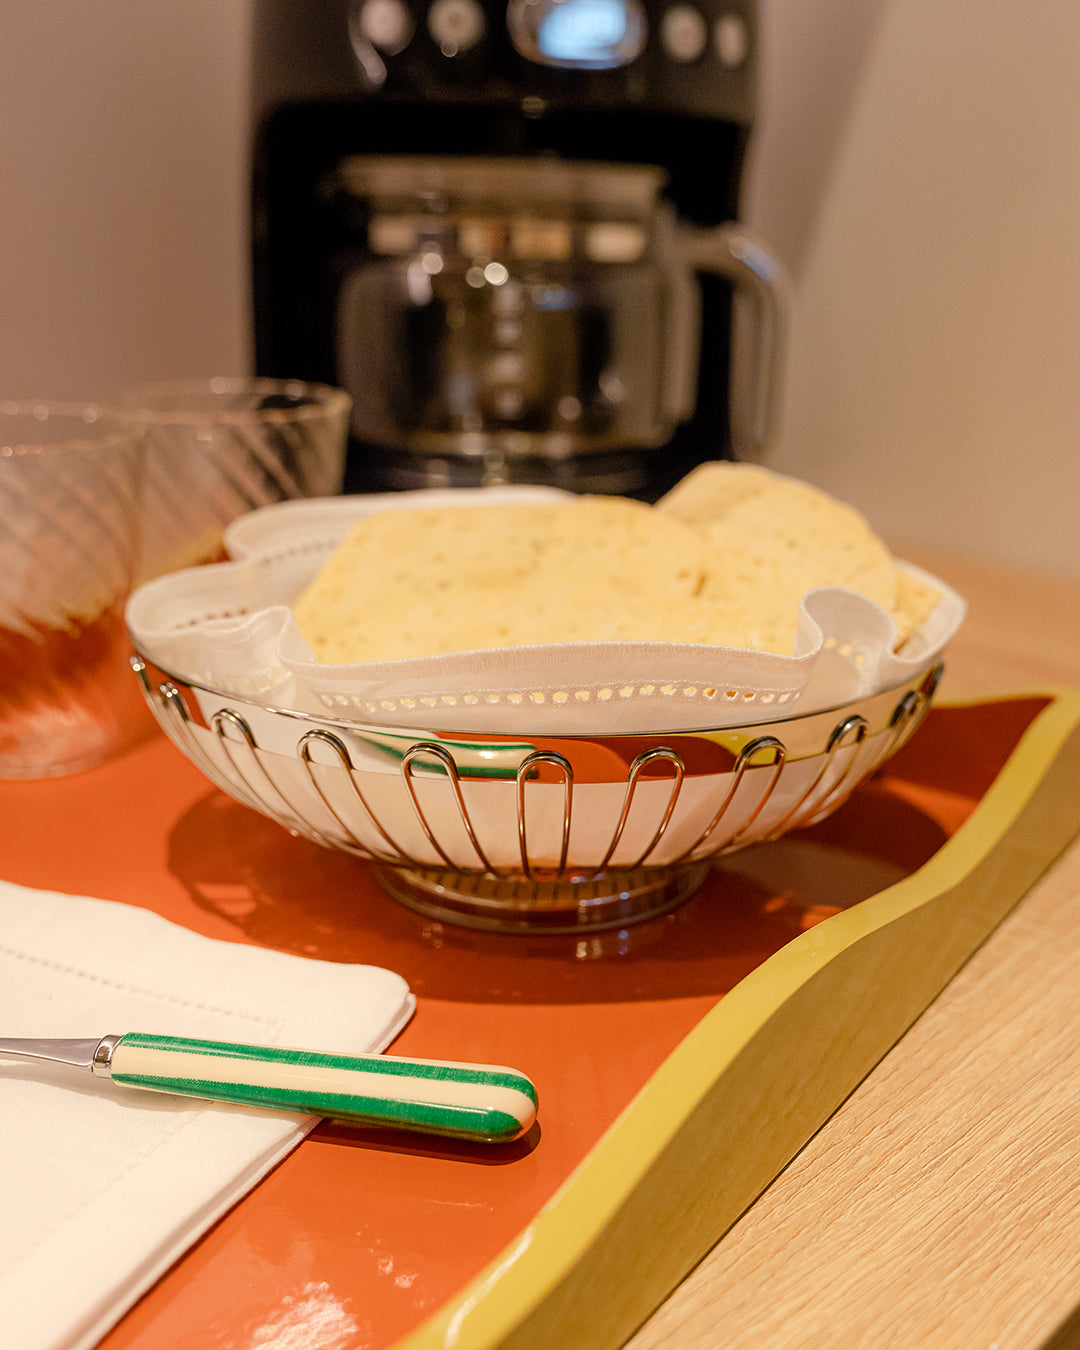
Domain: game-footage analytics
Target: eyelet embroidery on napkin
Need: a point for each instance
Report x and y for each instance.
(211, 616)
(303, 548)
(849, 650)
(560, 697)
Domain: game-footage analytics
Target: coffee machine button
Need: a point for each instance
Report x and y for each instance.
(456, 25)
(684, 33)
(578, 34)
(732, 40)
(387, 24)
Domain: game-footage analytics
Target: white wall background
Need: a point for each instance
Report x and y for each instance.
(123, 253)
(935, 372)
(915, 167)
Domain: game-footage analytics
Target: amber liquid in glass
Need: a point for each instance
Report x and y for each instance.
(68, 697)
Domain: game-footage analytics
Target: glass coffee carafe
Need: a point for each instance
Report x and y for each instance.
(509, 317)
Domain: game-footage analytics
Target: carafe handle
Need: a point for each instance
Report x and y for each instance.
(730, 251)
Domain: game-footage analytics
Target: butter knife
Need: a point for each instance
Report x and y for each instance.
(483, 1103)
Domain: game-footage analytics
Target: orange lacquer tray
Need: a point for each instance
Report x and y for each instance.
(680, 1063)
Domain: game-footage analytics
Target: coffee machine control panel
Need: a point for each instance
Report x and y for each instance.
(604, 34)
(692, 56)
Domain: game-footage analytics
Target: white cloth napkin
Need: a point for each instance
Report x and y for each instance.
(104, 1187)
(230, 627)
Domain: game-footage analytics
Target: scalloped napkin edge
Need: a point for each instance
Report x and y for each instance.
(229, 627)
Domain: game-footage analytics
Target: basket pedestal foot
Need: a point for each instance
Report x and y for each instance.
(570, 903)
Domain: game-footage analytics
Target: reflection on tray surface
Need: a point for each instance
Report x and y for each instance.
(290, 894)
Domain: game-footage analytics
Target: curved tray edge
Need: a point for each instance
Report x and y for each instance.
(763, 1071)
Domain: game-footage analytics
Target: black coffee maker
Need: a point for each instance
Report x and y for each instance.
(506, 228)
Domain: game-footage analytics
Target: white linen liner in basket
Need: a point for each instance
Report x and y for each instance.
(229, 626)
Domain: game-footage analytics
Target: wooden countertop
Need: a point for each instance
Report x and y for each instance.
(939, 1208)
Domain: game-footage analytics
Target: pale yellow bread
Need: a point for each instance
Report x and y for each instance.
(915, 601)
(770, 538)
(768, 533)
(699, 618)
(426, 581)
(723, 559)
(710, 490)
(769, 549)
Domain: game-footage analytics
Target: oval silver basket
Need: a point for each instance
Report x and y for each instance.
(544, 833)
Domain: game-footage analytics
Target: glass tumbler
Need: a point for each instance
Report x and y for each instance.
(215, 449)
(69, 496)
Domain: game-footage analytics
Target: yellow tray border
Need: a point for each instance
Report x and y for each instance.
(764, 1069)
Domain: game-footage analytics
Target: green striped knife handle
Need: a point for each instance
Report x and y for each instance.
(486, 1103)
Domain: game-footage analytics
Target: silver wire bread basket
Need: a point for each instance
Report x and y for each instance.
(535, 833)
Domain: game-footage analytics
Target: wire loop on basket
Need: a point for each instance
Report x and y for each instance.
(637, 769)
(529, 768)
(350, 842)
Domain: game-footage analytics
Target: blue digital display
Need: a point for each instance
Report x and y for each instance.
(583, 32)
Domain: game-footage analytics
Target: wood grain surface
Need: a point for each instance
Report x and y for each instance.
(939, 1208)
